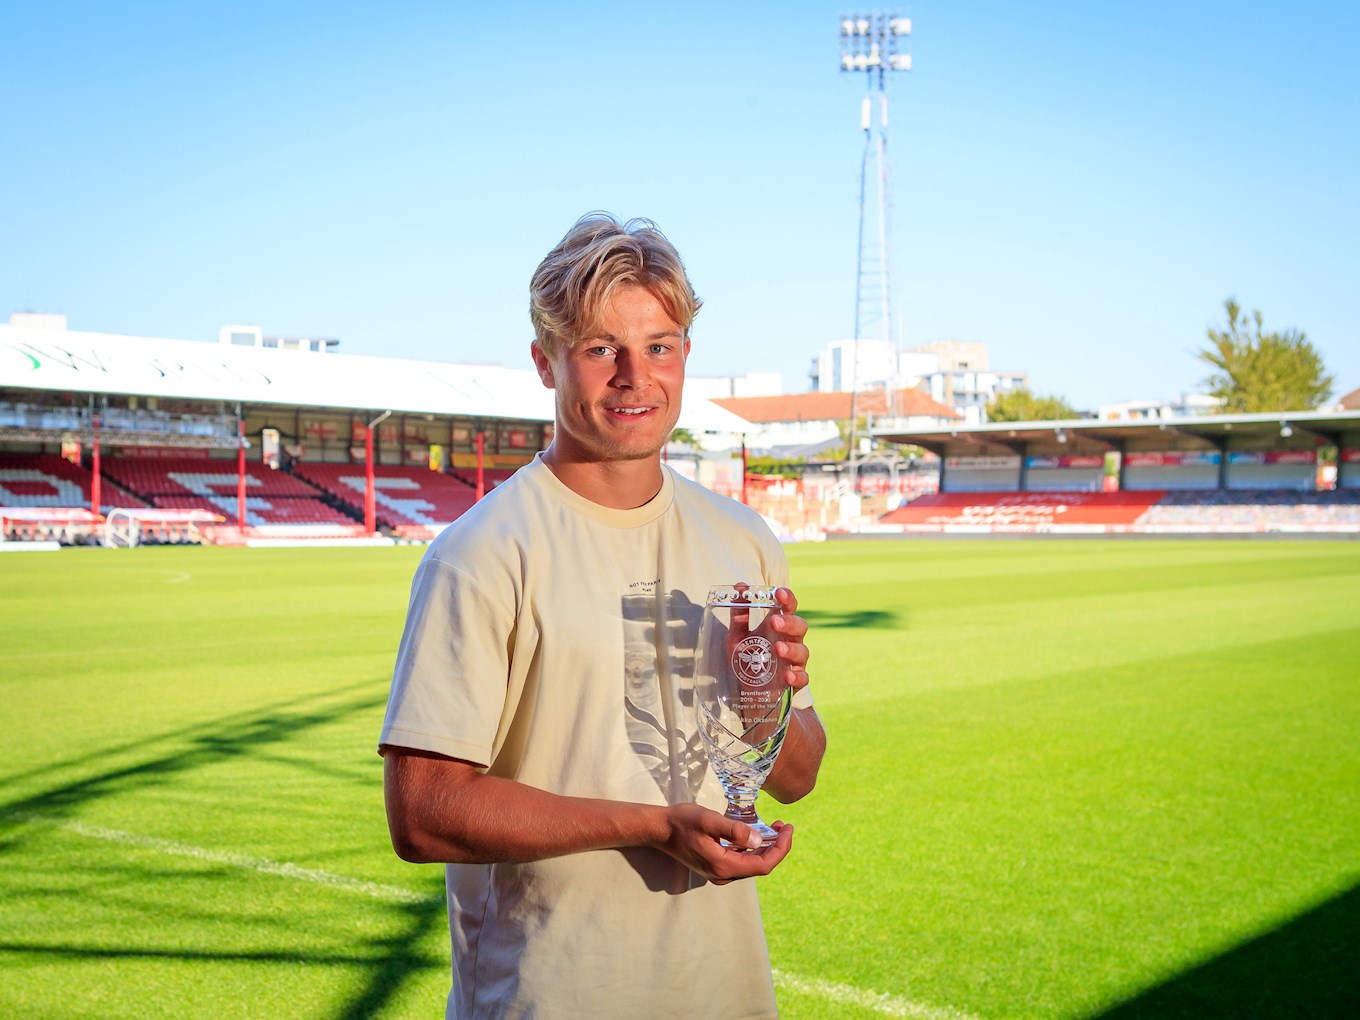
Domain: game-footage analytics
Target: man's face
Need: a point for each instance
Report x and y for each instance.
(618, 394)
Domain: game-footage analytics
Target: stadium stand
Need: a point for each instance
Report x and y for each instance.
(1257, 509)
(491, 477)
(45, 498)
(37, 480)
(1211, 510)
(198, 483)
(46, 480)
(414, 502)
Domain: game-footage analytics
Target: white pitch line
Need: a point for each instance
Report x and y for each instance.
(182, 575)
(879, 1002)
(373, 890)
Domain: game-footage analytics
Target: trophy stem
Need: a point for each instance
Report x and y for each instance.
(741, 807)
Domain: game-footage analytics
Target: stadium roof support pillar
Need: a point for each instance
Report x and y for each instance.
(240, 470)
(481, 462)
(1119, 447)
(1222, 447)
(96, 495)
(745, 472)
(370, 485)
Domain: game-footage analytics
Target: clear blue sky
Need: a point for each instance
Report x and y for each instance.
(1079, 185)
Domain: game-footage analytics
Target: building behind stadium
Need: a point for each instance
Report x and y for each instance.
(257, 439)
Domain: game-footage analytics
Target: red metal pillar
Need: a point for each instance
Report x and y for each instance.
(744, 498)
(370, 486)
(240, 473)
(370, 502)
(481, 464)
(96, 494)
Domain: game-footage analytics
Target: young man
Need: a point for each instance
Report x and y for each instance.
(541, 737)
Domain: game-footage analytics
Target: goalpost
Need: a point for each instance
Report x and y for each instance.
(121, 530)
(124, 527)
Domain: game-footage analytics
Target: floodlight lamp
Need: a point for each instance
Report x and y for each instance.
(1062, 436)
(847, 27)
(1286, 430)
(900, 26)
(900, 62)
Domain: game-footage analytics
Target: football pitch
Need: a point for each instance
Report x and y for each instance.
(1065, 779)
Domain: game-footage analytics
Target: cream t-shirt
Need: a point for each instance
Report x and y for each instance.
(550, 640)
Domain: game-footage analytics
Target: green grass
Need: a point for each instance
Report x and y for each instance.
(1065, 779)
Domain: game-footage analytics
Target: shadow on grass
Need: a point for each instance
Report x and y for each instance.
(859, 618)
(1307, 967)
(207, 744)
(74, 952)
(391, 961)
(205, 729)
(397, 959)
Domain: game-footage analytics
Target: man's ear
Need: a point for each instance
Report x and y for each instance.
(543, 364)
(686, 348)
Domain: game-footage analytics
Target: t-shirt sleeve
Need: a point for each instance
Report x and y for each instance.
(449, 684)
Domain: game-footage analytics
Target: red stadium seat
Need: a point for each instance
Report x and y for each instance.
(404, 497)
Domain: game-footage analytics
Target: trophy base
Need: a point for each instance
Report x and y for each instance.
(749, 817)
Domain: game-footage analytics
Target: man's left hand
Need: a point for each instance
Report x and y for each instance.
(790, 630)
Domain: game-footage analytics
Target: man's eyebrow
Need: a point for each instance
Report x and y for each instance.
(660, 335)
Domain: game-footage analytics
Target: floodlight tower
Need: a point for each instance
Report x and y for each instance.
(872, 44)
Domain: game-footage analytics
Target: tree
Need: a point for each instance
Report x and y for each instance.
(1019, 404)
(684, 437)
(848, 435)
(1260, 371)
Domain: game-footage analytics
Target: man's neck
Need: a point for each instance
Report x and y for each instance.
(617, 484)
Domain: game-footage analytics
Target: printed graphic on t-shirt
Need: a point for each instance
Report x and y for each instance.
(659, 634)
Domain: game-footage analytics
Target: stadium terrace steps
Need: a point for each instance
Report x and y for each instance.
(190, 475)
(1232, 510)
(202, 483)
(46, 480)
(1028, 509)
(37, 480)
(491, 477)
(413, 501)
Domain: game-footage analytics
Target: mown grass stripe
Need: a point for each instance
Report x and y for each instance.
(883, 1003)
(283, 869)
(879, 1002)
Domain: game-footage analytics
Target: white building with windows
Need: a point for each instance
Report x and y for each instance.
(953, 372)
(717, 387)
(1187, 406)
(253, 336)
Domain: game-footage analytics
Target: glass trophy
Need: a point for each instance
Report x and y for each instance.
(743, 703)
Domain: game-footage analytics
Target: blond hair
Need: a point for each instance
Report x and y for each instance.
(574, 282)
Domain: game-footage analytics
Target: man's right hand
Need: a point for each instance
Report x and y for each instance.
(694, 839)
(441, 809)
